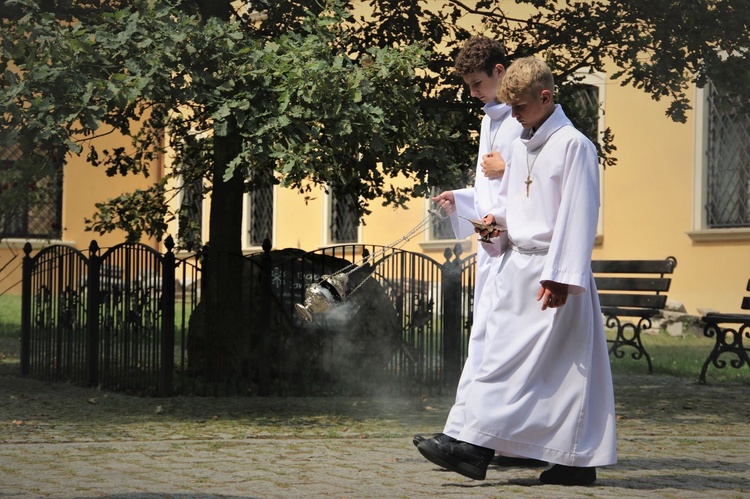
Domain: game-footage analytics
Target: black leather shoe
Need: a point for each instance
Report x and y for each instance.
(421, 437)
(462, 457)
(568, 475)
(518, 462)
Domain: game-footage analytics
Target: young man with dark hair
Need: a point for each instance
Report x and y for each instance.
(481, 64)
(543, 389)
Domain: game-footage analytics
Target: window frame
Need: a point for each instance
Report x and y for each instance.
(327, 236)
(700, 231)
(38, 239)
(431, 243)
(180, 201)
(599, 80)
(247, 220)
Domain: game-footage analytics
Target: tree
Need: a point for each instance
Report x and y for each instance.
(296, 109)
(311, 95)
(658, 46)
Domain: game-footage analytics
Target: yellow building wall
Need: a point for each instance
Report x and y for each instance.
(298, 223)
(83, 187)
(648, 204)
(647, 208)
(647, 213)
(302, 225)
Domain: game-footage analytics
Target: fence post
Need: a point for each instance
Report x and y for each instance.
(264, 369)
(26, 311)
(451, 284)
(166, 381)
(93, 299)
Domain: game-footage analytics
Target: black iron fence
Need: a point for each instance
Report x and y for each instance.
(129, 319)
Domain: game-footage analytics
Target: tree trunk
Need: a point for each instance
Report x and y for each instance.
(223, 296)
(223, 293)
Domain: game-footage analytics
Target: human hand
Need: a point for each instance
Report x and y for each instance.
(446, 201)
(552, 294)
(489, 220)
(493, 165)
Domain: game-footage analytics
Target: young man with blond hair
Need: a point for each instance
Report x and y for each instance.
(543, 389)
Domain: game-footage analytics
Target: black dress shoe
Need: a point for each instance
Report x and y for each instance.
(462, 457)
(568, 475)
(518, 462)
(421, 437)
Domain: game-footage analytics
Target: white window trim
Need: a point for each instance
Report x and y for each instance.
(15, 243)
(175, 202)
(246, 246)
(700, 140)
(700, 231)
(204, 210)
(325, 229)
(429, 243)
(599, 80)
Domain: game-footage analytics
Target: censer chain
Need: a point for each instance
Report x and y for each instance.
(418, 229)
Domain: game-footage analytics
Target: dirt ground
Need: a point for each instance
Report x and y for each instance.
(677, 438)
(646, 405)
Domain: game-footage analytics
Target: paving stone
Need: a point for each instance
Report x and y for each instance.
(676, 439)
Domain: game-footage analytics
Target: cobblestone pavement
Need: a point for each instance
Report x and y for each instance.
(676, 439)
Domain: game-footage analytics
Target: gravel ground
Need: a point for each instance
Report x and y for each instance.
(676, 439)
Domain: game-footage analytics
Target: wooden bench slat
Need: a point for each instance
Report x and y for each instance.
(634, 266)
(630, 300)
(717, 318)
(632, 283)
(630, 312)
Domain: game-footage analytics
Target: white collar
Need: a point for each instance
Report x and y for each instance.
(497, 110)
(536, 139)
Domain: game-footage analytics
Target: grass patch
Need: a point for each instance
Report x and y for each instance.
(679, 356)
(10, 312)
(10, 332)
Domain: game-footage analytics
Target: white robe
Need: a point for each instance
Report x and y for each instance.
(544, 389)
(497, 133)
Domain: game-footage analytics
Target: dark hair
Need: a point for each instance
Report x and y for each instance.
(480, 53)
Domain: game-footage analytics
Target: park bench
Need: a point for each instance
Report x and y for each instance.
(730, 331)
(631, 294)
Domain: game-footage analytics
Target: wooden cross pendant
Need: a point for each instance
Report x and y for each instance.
(528, 183)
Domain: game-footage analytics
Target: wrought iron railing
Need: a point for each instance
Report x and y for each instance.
(122, 320)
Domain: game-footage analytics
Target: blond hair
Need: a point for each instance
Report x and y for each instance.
(525, 76)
